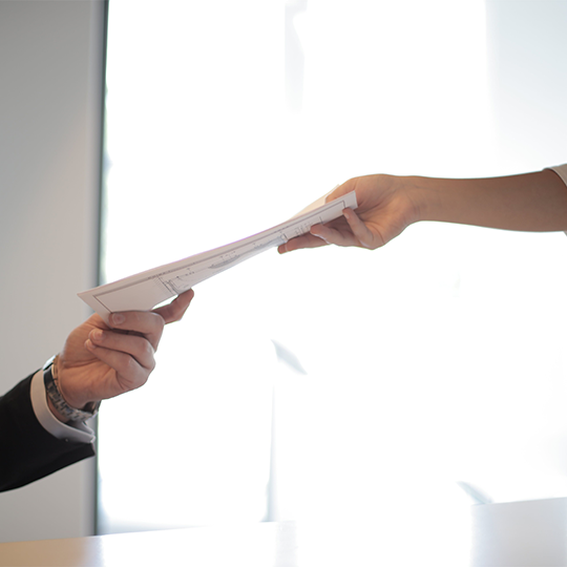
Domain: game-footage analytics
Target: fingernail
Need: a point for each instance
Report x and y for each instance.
(117, 318)
(97, 335)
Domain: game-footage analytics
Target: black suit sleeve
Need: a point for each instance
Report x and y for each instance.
(27, 451)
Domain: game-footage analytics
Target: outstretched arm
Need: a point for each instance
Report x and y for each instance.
(389, 204)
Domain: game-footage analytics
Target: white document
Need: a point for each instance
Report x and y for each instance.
(143, 291)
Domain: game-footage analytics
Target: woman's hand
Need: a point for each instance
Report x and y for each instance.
(384, 210)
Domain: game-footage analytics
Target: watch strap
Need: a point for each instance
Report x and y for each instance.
(54, 394)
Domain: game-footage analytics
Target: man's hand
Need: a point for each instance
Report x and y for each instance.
(100, 362)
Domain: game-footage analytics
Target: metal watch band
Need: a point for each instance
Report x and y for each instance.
(69, 413)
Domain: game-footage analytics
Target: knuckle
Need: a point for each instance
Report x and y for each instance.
(129, 366)
(148, 349)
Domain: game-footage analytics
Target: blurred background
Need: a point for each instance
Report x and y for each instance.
(436, 359)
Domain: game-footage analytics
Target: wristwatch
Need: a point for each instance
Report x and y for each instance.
(54, 394)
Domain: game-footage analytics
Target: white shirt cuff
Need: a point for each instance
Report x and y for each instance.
(73, 431)
(561, 170)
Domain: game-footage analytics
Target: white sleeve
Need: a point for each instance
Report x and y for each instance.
(561, 170)
(74, 431)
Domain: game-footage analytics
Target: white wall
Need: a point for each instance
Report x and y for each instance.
(50, 106)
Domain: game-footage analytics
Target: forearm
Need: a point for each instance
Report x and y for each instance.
(529, 202)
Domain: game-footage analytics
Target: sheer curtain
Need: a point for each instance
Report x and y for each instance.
(435, 359)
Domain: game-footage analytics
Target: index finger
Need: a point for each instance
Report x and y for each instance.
(149, 324)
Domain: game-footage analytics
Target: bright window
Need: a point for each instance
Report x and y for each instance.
(435, 359)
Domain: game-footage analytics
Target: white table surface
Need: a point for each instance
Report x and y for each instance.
(252, 545)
